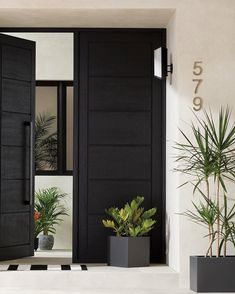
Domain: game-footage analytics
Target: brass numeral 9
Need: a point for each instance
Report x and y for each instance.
(198, 103)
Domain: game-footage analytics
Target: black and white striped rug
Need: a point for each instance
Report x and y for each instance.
(43, 267)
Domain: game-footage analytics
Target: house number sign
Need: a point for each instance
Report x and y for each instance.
(197, 79)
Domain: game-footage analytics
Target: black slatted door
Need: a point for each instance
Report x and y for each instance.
(17, 83)
(120, 148)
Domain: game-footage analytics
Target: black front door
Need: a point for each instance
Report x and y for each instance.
(17, 86)
(120, 151)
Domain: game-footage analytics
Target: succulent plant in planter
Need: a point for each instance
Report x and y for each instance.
(48, 204)
(207, 157)
(130, 247)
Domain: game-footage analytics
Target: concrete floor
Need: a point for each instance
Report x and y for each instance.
(97, 291)
(99, 279)
(44, 257)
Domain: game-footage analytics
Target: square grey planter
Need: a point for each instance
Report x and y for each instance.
(129, 251)
(212, 274)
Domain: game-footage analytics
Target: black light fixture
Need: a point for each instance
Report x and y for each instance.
(161, 68)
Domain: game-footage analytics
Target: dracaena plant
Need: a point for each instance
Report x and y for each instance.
(207, 156)
(131, 220)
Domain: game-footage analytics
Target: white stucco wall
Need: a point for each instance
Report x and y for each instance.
(172, 182)
(199, 30)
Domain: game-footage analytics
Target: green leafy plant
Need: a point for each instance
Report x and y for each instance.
(131, 220)
(45, 142)
(48, 203)
(208, 157)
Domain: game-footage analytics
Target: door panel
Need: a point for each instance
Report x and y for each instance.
(10, 233)
(121, 135)
(119, 59)
(13, 129)
(119, 162)
(96, 234)
(16, 96)
(120, 128)
(17, 167)
(103, 193)
(119, 94)
(12, 195)
(16, 63)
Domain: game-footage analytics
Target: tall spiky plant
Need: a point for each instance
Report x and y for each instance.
(210, 154)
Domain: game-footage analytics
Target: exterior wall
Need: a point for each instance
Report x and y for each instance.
(199, 30)
(172, 181)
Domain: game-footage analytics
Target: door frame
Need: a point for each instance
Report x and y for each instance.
(76, 80)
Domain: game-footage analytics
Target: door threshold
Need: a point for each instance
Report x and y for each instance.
(54, 256)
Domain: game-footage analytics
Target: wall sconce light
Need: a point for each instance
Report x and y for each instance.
(161, 68)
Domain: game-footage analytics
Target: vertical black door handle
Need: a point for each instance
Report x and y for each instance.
(28, 191)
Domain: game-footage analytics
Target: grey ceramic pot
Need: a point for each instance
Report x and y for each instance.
(212, 274)
(128, 251)
(46, 242)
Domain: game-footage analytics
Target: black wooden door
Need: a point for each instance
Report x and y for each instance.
(121, 135)
(17, 84)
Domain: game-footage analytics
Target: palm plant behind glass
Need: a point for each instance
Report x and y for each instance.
(45, 142)
(209, 159)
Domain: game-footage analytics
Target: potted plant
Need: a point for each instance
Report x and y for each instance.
(130, 247)
(37, 229)
(48, 204)
(207, 157)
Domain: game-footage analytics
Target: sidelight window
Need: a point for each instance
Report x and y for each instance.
(54, 127)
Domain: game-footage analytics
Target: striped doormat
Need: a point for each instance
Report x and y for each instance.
(43, 267)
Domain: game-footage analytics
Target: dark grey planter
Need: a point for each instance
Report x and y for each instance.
(129, 251)
(212, 274)
(46, 242)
